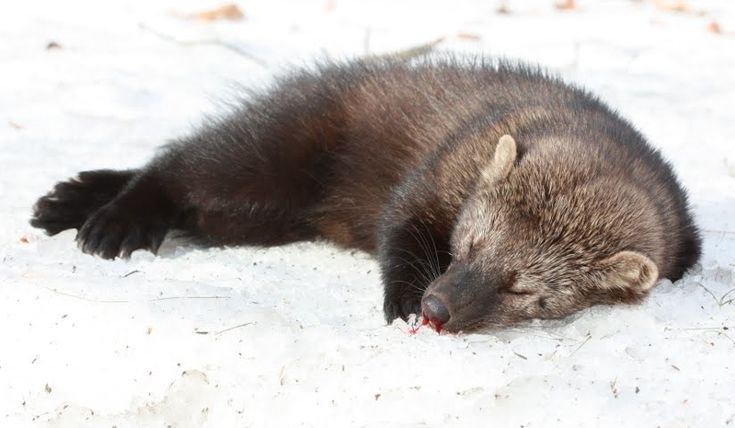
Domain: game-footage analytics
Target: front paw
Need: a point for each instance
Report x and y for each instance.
(401, 307)
(115, 231)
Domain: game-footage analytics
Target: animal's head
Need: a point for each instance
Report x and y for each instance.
(541, 239)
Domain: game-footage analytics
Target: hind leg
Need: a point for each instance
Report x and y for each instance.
(70, 203)
(136, 218)
(92, 202)
(219, 200)
(253, 177)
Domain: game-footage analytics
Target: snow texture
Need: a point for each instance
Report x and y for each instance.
(294, 336)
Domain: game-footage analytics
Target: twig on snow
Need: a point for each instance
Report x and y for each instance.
(709, 292)
(520, 355)
(217, 333)
(721, 300)
(157, 299)
(724, 302)
(211, 42)
(86, 299)
(587, 339)
(130, 273)
(717, 330)
(415, 51)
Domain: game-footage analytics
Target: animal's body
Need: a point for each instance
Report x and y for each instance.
(490, 193)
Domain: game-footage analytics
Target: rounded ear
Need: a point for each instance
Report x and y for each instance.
(629, 271)
(505, 156)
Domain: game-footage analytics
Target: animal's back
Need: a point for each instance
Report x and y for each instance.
(394, 116)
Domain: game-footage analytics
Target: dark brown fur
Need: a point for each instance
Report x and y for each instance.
(399, 159)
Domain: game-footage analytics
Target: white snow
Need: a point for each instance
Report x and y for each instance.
(294, 336)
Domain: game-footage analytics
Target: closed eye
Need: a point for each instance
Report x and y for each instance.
(517, 292)
(512, 287)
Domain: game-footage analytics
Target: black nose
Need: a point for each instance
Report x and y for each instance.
(434, 310)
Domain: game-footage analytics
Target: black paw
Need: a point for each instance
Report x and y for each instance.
(70, 203)
(401, 307)
(116, 230)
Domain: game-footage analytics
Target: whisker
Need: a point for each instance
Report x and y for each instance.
(424, 244)
(420, 270)
(435, 253)
(410, 285)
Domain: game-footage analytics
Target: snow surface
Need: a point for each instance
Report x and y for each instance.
(294, 336)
